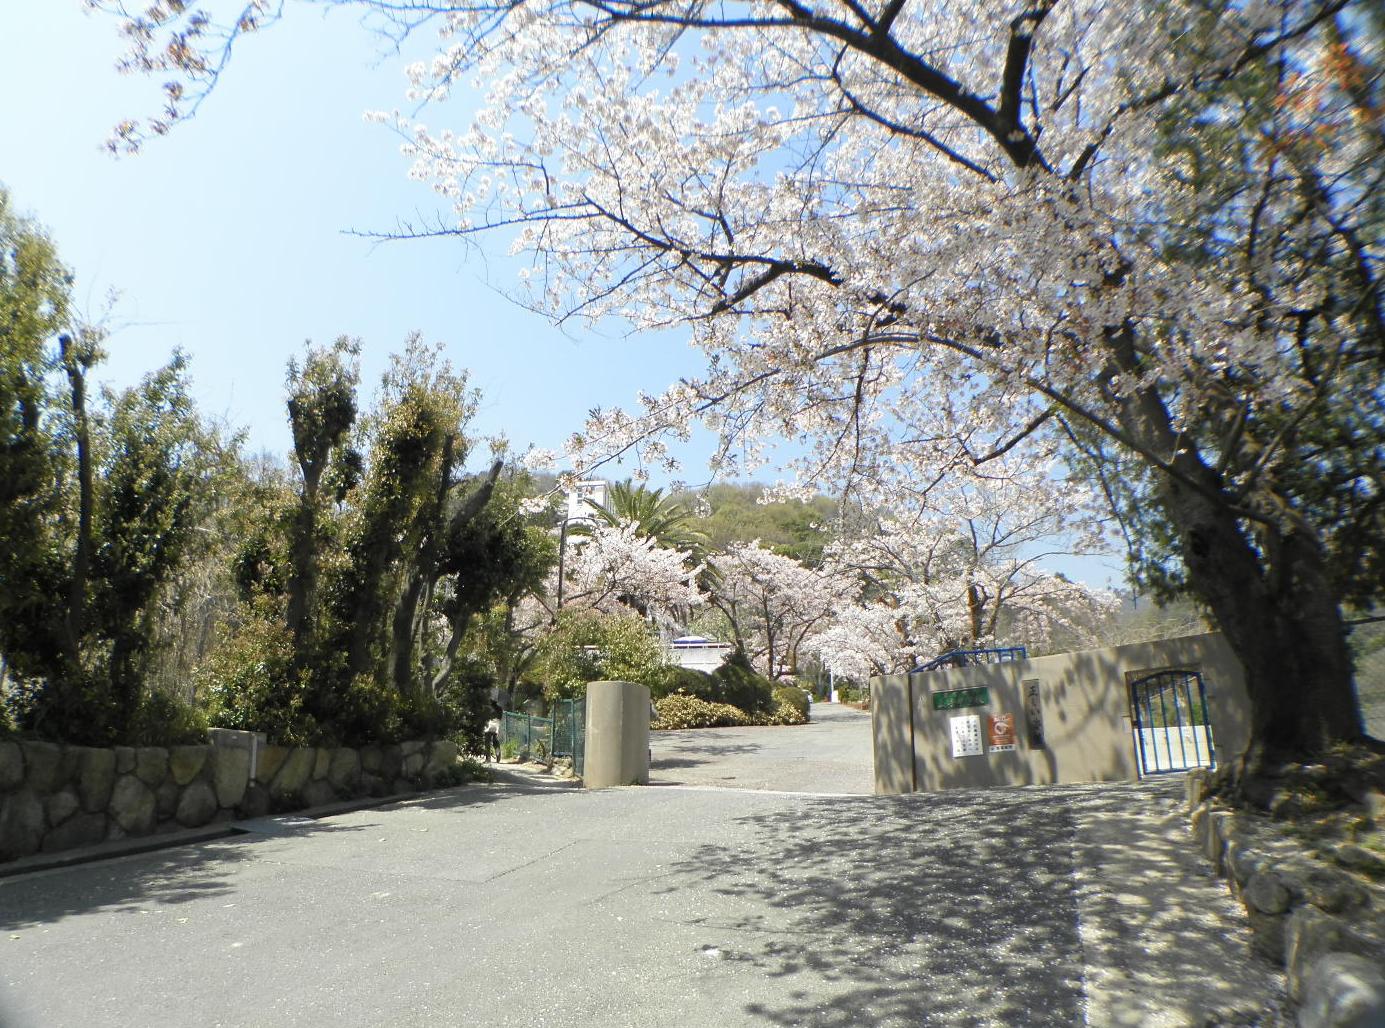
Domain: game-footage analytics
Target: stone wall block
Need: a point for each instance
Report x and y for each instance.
(413, 765)
(1265, 892)
(1343, 990)
(441, 756)
(402, 785)
(1310, 935)
(315, 794)
(43, 762)
(166, 799)
(124, 759)
(294, 774)
(71, 764)
(322, 764)
(374, 785)
(345, 770)
(230, 774)
(151, 765)
(21, 824)
(1243, 861)
(1333, 891)
(197, 805)
(62, 805)
(1217, 829)
(96, 778)
(85, 829)
(1197, 822)
(1195, 788)
(411, 747)
(11, 766)
(255, 802)
(1358, 858)
(186, 762)
(391, 760)
(370, 759)
(133, 806)
(269, 761)
(1267, 935)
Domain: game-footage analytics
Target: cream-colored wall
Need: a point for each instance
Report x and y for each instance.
(617, 727)
(1085, 712)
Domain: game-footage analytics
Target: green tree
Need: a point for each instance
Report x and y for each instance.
(34, 309)
(792, 528)
(160, 473)
(322, 411)
(588, 646)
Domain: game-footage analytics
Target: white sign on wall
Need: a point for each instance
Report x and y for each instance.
(966, 736)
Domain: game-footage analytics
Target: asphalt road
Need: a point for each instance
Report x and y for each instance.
(830, 754)
(681, 905)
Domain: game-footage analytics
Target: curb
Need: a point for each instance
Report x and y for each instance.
(195, 836)
(505, 776)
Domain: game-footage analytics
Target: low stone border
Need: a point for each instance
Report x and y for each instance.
(55, 797)
(1322, 925)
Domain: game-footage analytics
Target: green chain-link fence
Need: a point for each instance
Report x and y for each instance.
(570, 732)
(525, 737)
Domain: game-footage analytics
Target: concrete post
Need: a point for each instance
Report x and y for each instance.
(617, 735)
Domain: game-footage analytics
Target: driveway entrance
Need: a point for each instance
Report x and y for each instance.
(700, 905)
(831, 754)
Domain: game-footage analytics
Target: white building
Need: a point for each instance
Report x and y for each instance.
(697, 653)
(577, 508)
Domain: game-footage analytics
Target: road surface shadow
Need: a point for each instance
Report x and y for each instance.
(688, 753)
(182, 874)
(963, 909)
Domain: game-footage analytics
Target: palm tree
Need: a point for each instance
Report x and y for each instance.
(656, 516)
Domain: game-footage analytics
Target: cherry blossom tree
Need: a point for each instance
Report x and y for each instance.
(916, 234)
(773, 603)
(962, 566)
(615, 567)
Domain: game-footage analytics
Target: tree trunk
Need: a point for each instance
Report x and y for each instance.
(1277, 610)
(302, 582)
(1272, 601)
(74, 620)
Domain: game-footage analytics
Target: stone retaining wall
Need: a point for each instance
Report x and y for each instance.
(1322, 925)
(55, 797)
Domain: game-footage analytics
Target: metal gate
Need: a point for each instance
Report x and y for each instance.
(1170, 723)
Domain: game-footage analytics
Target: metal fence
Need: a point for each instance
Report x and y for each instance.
(570, 732)
(971, 658)
(525, 737)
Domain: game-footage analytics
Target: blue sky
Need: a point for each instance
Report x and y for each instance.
(228, 237)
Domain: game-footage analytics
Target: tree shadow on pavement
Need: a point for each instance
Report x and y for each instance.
(186, 873)
(179, 874)
(686, 753)
(954, 909)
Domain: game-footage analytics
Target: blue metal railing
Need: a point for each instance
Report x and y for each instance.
(971, 658)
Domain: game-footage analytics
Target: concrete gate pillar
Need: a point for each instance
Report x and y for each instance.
(617, 735)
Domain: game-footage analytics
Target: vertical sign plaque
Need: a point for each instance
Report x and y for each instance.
(966, 736)
(1033, 714)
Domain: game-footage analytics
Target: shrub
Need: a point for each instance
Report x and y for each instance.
(162, 720)
(671, 679)
(588, 646)
(738, 684)
(848, 692)
(249, 683)
(794, 697)
(679, 711)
